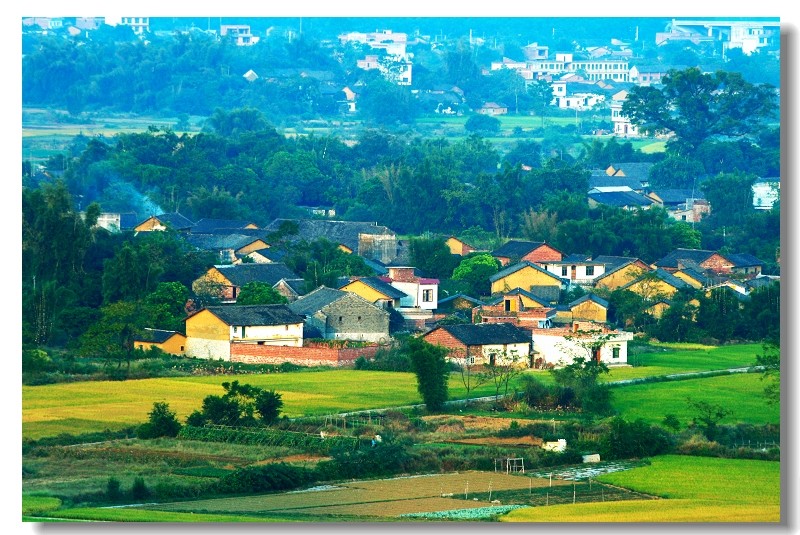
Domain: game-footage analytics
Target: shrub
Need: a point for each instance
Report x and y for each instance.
(268, 405)
(162, 423)
(113, 492)
(265, 478)
(139, 491)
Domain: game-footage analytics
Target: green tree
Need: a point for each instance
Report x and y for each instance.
(432, 256)
(708, 417)
(167, 305)
(112, 337)
(731, 198)
(238, 406)
(162, 423)
(696, 106)
(268, 404)
(483, 124)
(676, 172)
(429, 363)
(476, 270)
(259, 293)
(770, 362)
(582, 377)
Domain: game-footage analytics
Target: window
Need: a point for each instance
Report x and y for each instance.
(470, 361)
(563, 271)
(590, 271)
(340, 319)
(427, 296)
(615, 352)
(235, 329)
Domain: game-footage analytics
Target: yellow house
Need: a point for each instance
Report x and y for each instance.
(174, 221)
(211, 331)
(459, 247)
(171, 342)
(589, 308)
(530, 277)
(621, 275)
(376, 291)
(691, 277)
(224, 282)
(658, 308)
(656, 285)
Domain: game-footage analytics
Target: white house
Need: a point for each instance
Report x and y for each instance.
(420, 292)
(578, 269)
(211, 331)
(561, 346)
(766, 191)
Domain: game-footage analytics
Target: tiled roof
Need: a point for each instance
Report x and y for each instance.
(216, 242)
(620, 199)
(383, 287)
(744, 260)
(520, 265)
(447, 300)
(156, 336)
(271, 273)
(478, 334)
(678, 196)
(298, 286)
(697, 256)
(175, 221)
(550, 294)
(605, 181)
(339, 232)
(760, 282)
(665, 276)
(207, 226)
(589, 297)
(316, 300)
(255, 314)
(638, 170)
(516, 248)
(612, 262)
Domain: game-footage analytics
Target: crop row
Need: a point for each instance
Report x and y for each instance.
(268, 437)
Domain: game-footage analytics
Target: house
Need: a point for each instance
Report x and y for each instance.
(766, 192)
(528, 276)
(493, 109)
(171, 342)
(626, 200)
(174, 221)
(239, 33)
(517, 251)
(222, 226)
(262, 256)
(483, 343)
(212, 332)
(229, 247)
(117, 221)
(619, 271)
(517, 307)
(623, 127)
(694, 278)
(560, 346)
(578, 269)
(459, 247)
(336, 315)
(745, 264)
(656, 285)
(366, 239)
(377, 290)
(599, 180)
(421, 292)
(680, 258)
(638, 170)
(456, 302)
(644, 74)
(589, 307)
(224, 282)
(291, 289)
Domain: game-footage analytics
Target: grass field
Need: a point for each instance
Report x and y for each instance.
(697, 489)
(741, 393)
(81, 407)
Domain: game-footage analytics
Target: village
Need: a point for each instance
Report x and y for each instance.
(296, 270)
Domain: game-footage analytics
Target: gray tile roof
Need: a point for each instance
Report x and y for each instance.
(157, 336)
(478, 334)
(678, 196)
(744, 260)
(339, 232)
(207, 226)
(666, 276)
(638, 170)
(271, 273)
(255, 314)
(605, 181)
(216, 242)
(671, 260)
(316, 300)
(589, 297)
(175, 221)
(620, 199)
(516, 248)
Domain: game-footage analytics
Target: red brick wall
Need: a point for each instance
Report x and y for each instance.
(717, 264)
(302, 356)
(541, 254)
(443, 338)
